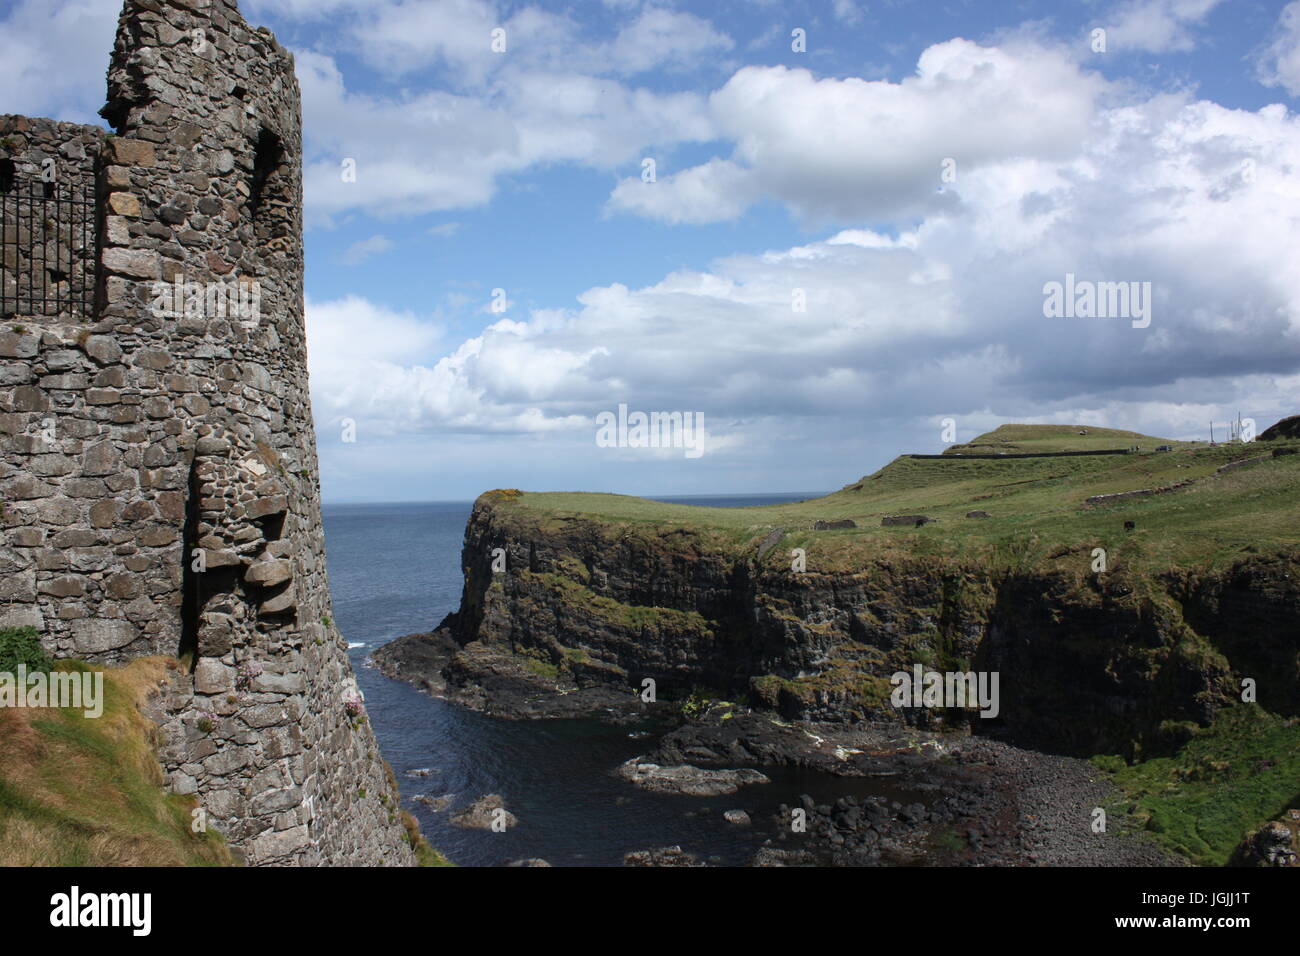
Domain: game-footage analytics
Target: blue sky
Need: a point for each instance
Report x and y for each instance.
(1171, 157)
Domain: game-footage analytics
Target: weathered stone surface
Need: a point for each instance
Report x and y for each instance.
(269, 573)
(101, 459)
(95, 637)
(281, 603)
(262, 507)
(213, 677)
(130, 152)
(221, 559)
(124, 204)
(136, 263)
(270, 847)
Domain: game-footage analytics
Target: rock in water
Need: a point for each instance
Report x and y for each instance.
(483, 812)
(687, 780)
(739, 817)
(664, 856)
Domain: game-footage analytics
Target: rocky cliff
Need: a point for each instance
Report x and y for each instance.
(1127, 661)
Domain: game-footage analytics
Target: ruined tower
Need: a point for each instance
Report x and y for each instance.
(157, 455)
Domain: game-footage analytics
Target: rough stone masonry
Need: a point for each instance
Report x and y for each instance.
(158, 467)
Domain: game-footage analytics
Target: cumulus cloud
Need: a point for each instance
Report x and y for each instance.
(711, 192)
(945, 317)
(52, 58)
(851, 150)
(1279, 63)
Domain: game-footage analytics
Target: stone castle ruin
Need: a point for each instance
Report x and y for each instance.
(157, 456)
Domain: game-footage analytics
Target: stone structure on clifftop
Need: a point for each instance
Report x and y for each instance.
(157, 457)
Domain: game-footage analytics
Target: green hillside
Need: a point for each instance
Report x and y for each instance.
(1036, 439)
(1036, 505)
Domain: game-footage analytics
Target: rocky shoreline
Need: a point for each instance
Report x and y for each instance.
(985, 802)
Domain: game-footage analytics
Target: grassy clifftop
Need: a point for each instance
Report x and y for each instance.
(1198, 515)
(1039, 439)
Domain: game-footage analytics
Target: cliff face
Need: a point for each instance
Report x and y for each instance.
(1086, 665)
(158, 462)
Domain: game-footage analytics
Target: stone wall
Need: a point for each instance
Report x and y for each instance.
(159, 466)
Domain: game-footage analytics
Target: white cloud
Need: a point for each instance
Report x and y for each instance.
(1157, 26)
(944, 318)
(1279, 64)
(434, 150)
(850, 149)
(51, 56)
(660, 37)
(715, 191)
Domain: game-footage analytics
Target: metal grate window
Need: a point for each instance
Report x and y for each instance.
(47, 244)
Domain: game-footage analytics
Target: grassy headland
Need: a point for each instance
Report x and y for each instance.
(1036, 506)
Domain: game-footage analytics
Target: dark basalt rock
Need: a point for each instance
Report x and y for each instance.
(1286, 428)
(590, 609)
(910, 521)
(664, 856)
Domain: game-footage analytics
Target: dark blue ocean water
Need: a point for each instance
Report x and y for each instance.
(394, 570)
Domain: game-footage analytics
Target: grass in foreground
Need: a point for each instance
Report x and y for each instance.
(76, 791)
(1225, 782)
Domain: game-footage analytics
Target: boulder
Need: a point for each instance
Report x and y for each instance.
(913, 521)
(834, 525)
(481, 814)
(687, 780)
(663, 856)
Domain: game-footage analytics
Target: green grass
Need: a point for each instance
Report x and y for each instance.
(1036, 439)
(1037, 508)
(1230, 777)
(78, 791)
(425, 855)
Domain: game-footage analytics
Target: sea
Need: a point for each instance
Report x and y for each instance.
(395, 569)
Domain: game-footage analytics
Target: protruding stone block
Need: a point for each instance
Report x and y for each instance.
(269, 573)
